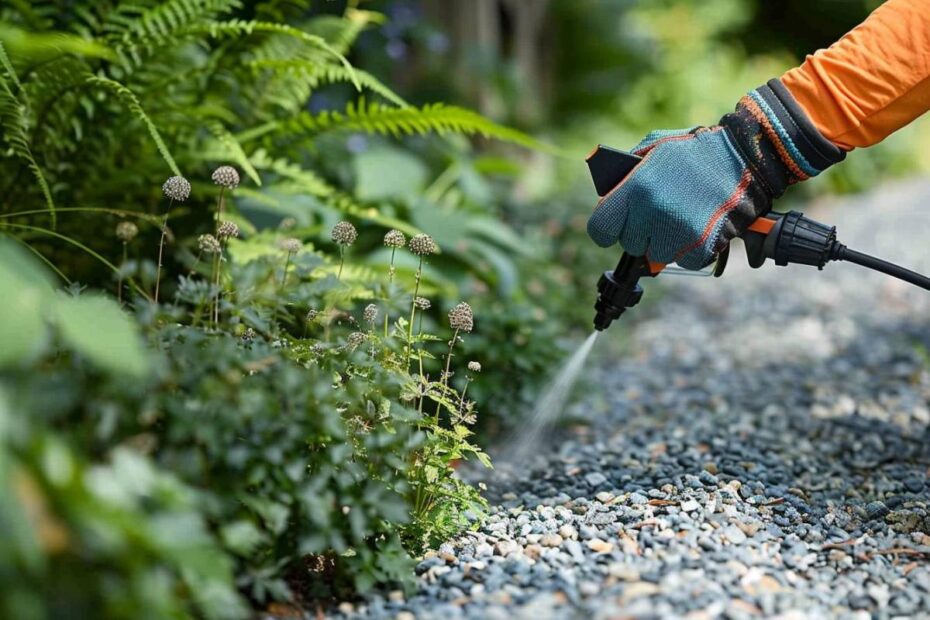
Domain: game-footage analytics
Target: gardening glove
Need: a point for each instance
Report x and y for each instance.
(696, 189)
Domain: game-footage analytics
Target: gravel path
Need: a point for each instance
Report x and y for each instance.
(761, 453)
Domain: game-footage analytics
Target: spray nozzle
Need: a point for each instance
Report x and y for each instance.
(619, 289)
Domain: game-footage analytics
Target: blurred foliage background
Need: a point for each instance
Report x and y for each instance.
(581, 72)
(262, 460)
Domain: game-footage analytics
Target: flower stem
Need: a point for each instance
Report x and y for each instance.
(462, 395)
(387, 310)
(212, 279)
(342, 260)
(219, 208)
(426, 387)
(119, 284)
(424, 381)
(219, 273)
(413, 311)
(445, 376)
(287, 263)
(161, 247)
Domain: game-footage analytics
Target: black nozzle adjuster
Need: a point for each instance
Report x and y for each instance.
(619, 289)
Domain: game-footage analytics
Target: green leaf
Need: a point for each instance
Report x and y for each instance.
(385, 173)
(242, 537)
(22, 329)
(484, 459)
(97, 329)
(26, 289)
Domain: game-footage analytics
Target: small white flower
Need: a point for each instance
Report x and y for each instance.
(176, 188)
(226, 176)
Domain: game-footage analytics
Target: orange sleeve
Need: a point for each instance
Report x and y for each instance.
(871, 82)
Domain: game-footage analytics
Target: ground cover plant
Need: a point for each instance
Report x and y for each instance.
(276, 433)
(288, 438)
(240, 354)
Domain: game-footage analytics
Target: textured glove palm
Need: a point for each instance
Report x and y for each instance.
(697, 189)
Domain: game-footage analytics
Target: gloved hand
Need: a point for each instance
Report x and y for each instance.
(696, 189)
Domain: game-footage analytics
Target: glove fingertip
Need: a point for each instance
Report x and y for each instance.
(599, 233)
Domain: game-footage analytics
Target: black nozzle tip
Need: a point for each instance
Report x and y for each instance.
(602, 321)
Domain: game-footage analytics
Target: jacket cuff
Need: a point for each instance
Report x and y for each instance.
(779, 142)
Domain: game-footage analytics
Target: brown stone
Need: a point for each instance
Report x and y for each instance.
(600, 546)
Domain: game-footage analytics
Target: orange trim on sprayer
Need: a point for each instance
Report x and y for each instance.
(655, 268)
(762, 225)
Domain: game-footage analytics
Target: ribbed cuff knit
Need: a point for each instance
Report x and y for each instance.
(776, 138)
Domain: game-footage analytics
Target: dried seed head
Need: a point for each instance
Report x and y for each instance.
(474, 366)
(208, 244)
(344, 233)
(421, 245)
(461, 317)
(288, 223)
(355, 339)
(371, 313)
(291, 245)
(226, 176)
(176, 188)
(422, 303)
(312, 314)
(248, 335)
(126, 231)
(227, 230)
(395, 239)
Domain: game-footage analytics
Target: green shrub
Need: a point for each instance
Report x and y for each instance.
(285, 445)
(301, 449)
(100, 101)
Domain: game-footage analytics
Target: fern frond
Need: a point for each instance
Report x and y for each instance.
(437, 118)
(341, 32)
(282, 10)
(43, 44)
(232, 149)
(308, 181)
(33, 18)
(8, 67)
(132, 102)
(315, 74)
(295, 180)
(138, 31)
(15, 126)
(238, 27)
(54, 89)
(165, 18)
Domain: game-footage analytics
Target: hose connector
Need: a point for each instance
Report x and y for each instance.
(801, 241)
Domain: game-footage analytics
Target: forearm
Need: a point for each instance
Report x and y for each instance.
(871, 82)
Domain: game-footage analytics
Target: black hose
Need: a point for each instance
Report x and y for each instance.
(841, 252)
